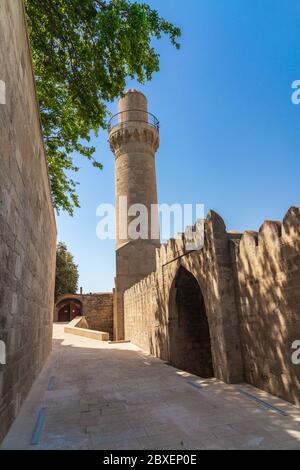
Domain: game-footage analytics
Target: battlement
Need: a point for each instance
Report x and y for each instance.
(172, 249)
(145, 284)
(271, 238)
(251, 248)
(183, 244)
(267, 272)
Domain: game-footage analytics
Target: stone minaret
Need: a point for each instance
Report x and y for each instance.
(134, 139)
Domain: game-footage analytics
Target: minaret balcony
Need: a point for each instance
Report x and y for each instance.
(132, 117)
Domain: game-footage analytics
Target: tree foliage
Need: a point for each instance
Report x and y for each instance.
(66, 276)
(83, 51)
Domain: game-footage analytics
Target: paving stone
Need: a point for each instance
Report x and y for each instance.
(215, 418)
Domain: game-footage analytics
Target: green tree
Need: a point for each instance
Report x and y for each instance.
(83, 51)
(66, 276)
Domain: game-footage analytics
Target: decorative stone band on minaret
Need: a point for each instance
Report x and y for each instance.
(134, 139)
(131, 137)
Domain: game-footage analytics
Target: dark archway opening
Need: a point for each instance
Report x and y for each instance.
(68, 309)
(189, 336)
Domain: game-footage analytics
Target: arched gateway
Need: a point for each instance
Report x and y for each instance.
(189, 336)
(67, 309)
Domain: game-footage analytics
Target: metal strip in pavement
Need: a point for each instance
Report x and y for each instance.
(51, 383)
(35, 438)
(263, 403)
(195, 384)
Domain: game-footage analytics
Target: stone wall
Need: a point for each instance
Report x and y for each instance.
(27, 223)
(96, 308)
(268, 293)
(149, 305)
(250, 285)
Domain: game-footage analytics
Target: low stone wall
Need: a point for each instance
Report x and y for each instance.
(79, 327)
(79, 322)
(27, 223)
(267, 266)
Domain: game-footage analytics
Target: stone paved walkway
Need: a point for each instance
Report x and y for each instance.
(114, 396)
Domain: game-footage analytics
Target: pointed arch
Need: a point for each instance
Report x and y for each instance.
(189, 335)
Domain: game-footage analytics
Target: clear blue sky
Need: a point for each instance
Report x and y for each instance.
(229, 132)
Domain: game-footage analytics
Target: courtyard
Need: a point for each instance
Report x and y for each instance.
(97, 395)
